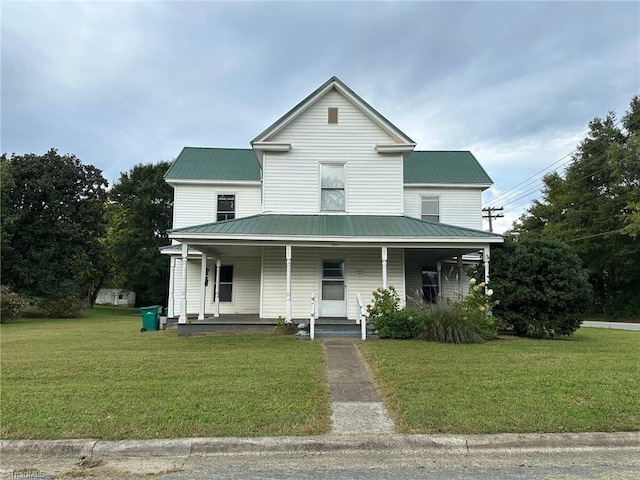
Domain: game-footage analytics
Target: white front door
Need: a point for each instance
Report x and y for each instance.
(333, 301)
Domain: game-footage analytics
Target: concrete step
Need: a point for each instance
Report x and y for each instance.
(337, 334)
(338, 330)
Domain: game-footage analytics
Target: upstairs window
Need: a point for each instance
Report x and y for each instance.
(332, 197)
(431, 209)
(226, 207)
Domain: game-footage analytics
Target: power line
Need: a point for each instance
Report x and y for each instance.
(596, 235)
(507, 195)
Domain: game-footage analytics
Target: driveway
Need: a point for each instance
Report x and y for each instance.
(616, 325)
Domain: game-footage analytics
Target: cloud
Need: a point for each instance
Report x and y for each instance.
(120, 83)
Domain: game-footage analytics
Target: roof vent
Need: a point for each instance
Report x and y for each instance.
(333, 114)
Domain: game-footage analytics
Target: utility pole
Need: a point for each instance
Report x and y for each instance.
(491, 216)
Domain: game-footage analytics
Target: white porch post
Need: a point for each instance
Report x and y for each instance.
(459, 262)
(439, 268)
(172, 280)
(486, 256)
(384, 267)
(203, 287)
(216, 312)
(288, 304)
(183, 294)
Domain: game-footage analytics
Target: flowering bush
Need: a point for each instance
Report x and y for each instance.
(386, 301)
(392, 321)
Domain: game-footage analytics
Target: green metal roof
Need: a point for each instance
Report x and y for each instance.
(444, 167)
(241, 164)
(360, 226)
(215, 164)
(336, 80)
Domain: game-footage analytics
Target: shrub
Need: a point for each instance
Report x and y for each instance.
(284, 328)
(391, 321)
(400, 324)
(542, 287)
(62, 307)
(11, 304)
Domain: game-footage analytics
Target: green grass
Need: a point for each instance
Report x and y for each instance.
(100, 377)
(589, 382)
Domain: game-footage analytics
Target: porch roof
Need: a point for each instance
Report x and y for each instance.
(328, 227)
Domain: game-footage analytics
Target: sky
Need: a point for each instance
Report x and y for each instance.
(120, 83)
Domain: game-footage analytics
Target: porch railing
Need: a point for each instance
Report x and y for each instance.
(361, 318)
(312, 317)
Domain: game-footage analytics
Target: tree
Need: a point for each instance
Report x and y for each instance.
(52, 216)
(595, 208)
(141, 212)
(541, 286)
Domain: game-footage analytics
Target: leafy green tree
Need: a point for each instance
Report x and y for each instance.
(595, 208)
(140, 214)
(52, 217)
(542, 288)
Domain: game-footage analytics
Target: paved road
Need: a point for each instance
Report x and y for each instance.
(589, 464)
(616, 325)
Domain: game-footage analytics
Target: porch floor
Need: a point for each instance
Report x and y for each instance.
(230, 323)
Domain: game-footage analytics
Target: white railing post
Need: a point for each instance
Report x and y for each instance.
(361, 318)
(312, 317)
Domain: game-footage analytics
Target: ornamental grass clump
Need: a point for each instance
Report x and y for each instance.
(466, 320)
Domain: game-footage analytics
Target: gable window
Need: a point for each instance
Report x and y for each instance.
(332, 195)
(333, 115)
(431, 209)
(226, 207)
(226, 284)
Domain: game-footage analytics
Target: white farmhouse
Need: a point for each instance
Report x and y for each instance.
(331, 202)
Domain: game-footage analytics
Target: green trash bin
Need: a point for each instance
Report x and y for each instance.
(150, 318)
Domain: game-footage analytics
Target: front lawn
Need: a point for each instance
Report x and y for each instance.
(100, 377)
(589, 382)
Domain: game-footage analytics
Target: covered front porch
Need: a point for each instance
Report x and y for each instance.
(239, 267)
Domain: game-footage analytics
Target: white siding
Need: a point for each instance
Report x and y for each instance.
(196, 204)
(246, 286)
(363, 270)
(373, 181)
(461, 207)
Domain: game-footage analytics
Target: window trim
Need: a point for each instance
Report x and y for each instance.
(344, 187)
(423, 215)
(235, 205)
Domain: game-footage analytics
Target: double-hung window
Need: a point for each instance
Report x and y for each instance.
(226, 209)
(431, 209)
(332, 187)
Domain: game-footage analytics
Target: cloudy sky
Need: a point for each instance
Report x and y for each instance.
(120, 83)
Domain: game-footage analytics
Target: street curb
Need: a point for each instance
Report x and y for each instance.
(445, 444)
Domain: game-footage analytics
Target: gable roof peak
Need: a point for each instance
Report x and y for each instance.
(333, 83)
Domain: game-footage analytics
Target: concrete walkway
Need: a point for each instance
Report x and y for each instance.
(356, 404)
